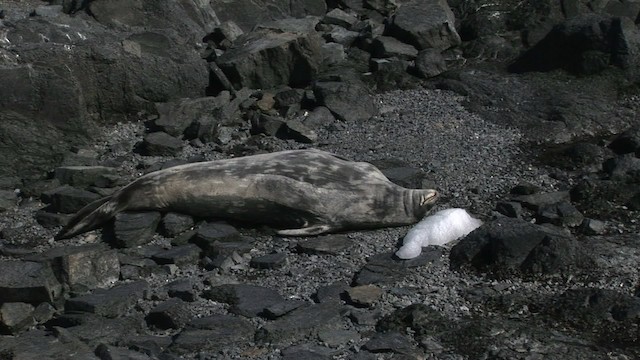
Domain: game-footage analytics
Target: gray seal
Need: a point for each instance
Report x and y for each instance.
(299, 192)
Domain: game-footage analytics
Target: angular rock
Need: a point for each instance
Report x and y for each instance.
(220, 239)
(268, 59)
(133, 229)
(114, 302)
(342, 36)
(148, 344)
(393, 342)
(94, 330)
(509, 208)
(182, 289)
(347, 100)
(30, 282)
(626, 142)
(333, 53)
(212, 333)
(328, 244)
(108, 352)
(319, 117)
(42, 344)
(307, 351)
(623, 167)
(67, 199)
(8, 199)
(386, 268)
(50, 220)
(83, 176)
(425, 24)
(509, 246)
(160, 143)
(592, 227)
(335, 338)
(386, 46)
(188, 254)
(43, 313)
(269, 261)
(301, 322)
(561, 214)
(245, 300)
(339, 17)
(171, 314)
(536, 201)
(175, 117)
(584, 44)
(83, 267)
(430, 63)
(15, 317)
(332, 292)
(364, 295)
(283, 129)
(282, 308)
(173, 224)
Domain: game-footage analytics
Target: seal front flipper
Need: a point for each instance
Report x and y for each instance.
(306, 231)
(89, 218)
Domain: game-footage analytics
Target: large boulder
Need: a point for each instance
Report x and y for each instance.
(249, 13)
(68, 74)
(584, 44)
(425, 24)
(266, 59)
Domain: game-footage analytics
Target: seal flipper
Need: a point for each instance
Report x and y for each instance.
(89, 218)
(306, 231)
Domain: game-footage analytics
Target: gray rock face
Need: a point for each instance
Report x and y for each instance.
(267, 59)
(114, 302)
(245, 300)
(83, 176)
(348, 100)
(30, 282)
(160, 144)
(15, 317)
(90, 74)
(425, 24)
(212, 333)
(67, 199)
(586, 44)
(133, 229)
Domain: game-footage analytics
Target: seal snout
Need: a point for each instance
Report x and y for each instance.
(429, 197)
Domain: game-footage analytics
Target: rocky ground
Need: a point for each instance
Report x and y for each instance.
(548, 160)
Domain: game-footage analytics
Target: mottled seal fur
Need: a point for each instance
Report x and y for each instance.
(300, 192)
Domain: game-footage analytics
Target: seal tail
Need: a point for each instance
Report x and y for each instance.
(90, 217)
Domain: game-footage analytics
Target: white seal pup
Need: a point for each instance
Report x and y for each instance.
(300, 192)
(437, 229)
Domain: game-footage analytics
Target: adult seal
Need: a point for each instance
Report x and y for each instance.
(300, 192)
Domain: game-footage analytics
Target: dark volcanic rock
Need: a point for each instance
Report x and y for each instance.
(281, 308)
(15, 317)
(393, 342)
(247, 14)
(220, 239)
(584, 44)
(188, 254)
(626, 142)
(175, 117)
(83, 267)
(160, 144)
(425, 24)
(83, 176)
(301, 322)
(212, 333)
(182, 289)
(623, 167)
(266, 59)
(386, 46)
(245, 300)
(171, 314)
(269, 261)
(387, 268)
(173, 224)
(348, 100)
(510, 246)
(133, 229)
(430, 63)
(26, 281)
(114, 302)
(67, 199)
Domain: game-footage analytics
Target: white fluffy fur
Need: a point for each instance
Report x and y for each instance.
(437, 229)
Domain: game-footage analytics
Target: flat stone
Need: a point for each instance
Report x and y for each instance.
(188, 254)
(340, 17)
(83, 176)
(301, 322)
(67, 199)
(160, 144)
(43, 313)
(269, 261)
(391, 342)
(8, 199)
(212, 333)
(50, 220)
(83, 267)
(173, 224)
(593, 226)
(332, 292)
(561, 214)
(536, 201)
(148, 344)
(112, 302)
(171, 314)
(94, 330)
(218, 238)
(364, 295)
(281, 308)
(27, 281)
(509, 208)
(387, 268)
(348, 100)
(245, 300)
(42, 344)
(133, 229)
(105, 351)
(386, 46)
(183, 289)
(328, 244)
(337, 337)
(307, 352)
(15, 317)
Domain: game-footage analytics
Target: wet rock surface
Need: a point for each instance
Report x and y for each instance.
(435, 93)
